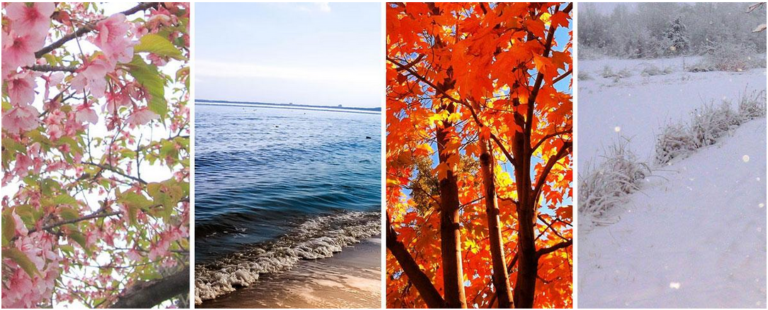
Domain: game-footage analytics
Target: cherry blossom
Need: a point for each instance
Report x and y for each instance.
(21, 88)
(84, 113)
(21, 118)
(141, 116)
(92, 78)
(77, 141)
(19, 50)
(31, 19)
(112, 39)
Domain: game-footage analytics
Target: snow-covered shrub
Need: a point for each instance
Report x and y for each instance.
(590, 53)
(624, 73)
(674, 141)
(734, 58)
(608, 184)
(584, 76)
(752, 106)
(707, 125)
(608, 73)
(653, 70)
(710, 123)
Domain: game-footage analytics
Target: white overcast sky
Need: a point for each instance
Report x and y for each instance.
(304, 53)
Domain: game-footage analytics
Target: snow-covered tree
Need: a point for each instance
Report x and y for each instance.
(677, 34)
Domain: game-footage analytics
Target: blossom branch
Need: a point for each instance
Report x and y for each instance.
(49, 68)
(97, 214)
(113, 170)
(89, 27)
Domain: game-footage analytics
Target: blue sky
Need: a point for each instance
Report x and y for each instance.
(305, 53)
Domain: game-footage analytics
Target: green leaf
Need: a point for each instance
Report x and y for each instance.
(133, 202)
(48, 185)
(22, 260)
(71, 142)
(28, 214)
(80, 239)
(65, 199)
(148, 76)
(158, 45)
(159, 106)
(68, 213)
(67, 248)
(168, 194)
(9, 227)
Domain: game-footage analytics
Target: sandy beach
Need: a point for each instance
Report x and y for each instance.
(349, 279)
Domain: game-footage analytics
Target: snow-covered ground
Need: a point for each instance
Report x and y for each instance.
(694, 235)
(636, 107)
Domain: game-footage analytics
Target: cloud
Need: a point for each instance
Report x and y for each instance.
(366, 77)
(316, 6)
(324, 7)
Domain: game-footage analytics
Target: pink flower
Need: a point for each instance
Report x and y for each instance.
(160, 249)
(21, 118)
(113, 39)
(32, 19)
(141, 116)
(92, 236)
(21, 88)
(55, 132)
(93, 78)
(117, 100)
(32, 249)
(23, 162)
(84, 113)
(133, 255)
(19, 296)
(21, 228)
(19, 51)
(51, 81)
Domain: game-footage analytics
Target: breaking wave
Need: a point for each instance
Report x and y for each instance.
(316, 238)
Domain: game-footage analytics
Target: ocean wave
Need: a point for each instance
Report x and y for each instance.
(316, 238)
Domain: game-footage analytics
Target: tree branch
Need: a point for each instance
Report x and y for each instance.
(49, 68)
(94, 215)
(562, 152)
(544, 139)
(509, 269)
(411, 268)
(145, 295)
(463, 103)
(545, 251)
(90, 27)
(562, 76)
(113, 170)
(549, 226)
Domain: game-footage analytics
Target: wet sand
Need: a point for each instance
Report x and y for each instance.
(349, 279)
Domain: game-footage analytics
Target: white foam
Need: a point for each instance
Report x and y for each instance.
(316, 238)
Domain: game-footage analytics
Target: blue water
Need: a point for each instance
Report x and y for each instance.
(259, 172)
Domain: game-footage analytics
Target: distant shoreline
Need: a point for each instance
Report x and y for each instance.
(289, 106)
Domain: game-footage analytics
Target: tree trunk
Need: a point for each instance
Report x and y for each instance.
(149, 294)
(411, 268)
(500, 275)
(450, 236)
(527, 268)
